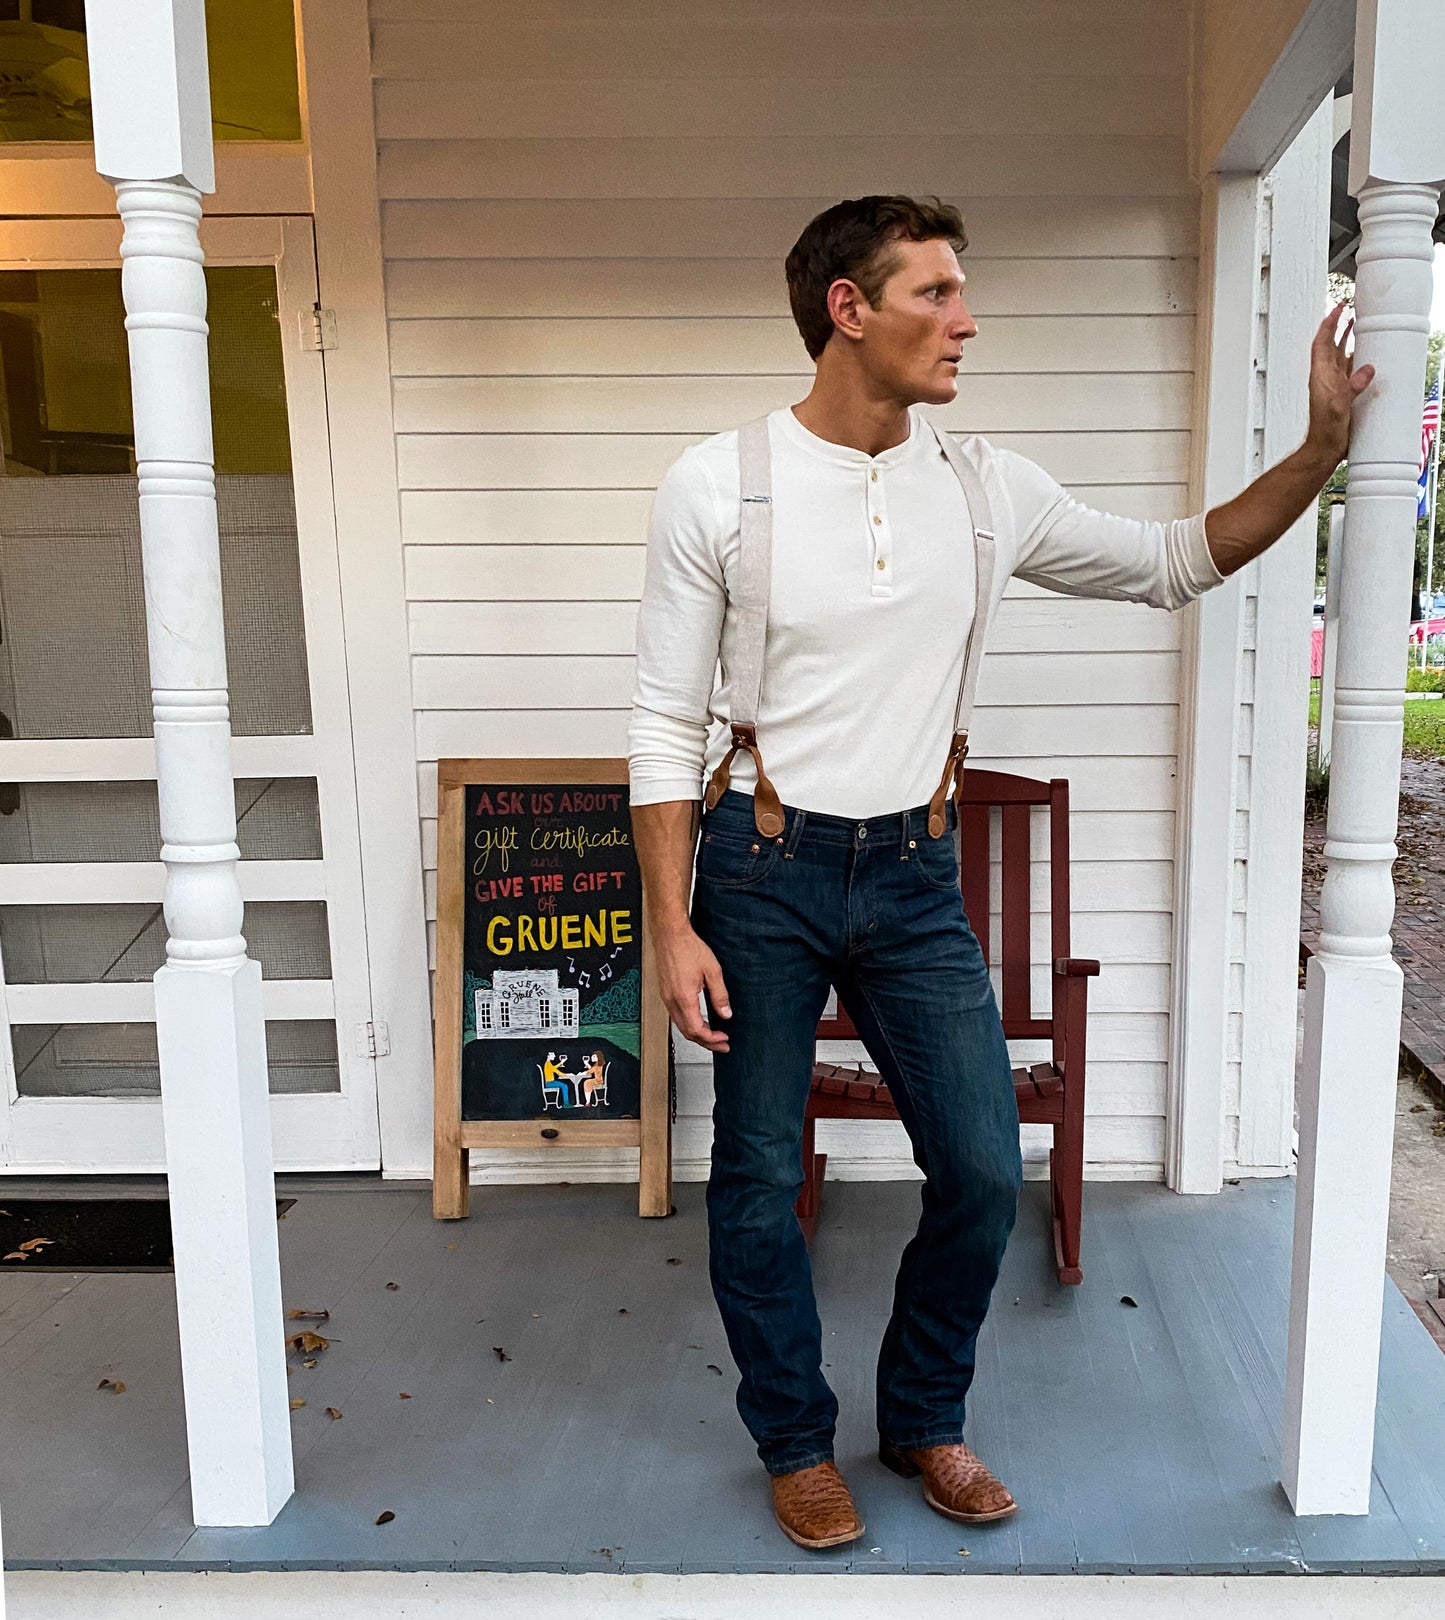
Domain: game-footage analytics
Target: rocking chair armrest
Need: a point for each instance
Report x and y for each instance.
(1075, 967)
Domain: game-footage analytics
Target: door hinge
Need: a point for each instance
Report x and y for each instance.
(373, 1039)
(318, 328)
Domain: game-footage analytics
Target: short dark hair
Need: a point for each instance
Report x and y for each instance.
(850, 241)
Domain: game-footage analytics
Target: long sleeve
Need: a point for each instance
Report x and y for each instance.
(678, 629)
(1069, 547)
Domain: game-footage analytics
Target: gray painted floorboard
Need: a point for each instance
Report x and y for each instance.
(1137, 1438)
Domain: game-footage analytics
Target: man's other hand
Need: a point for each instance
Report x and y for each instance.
(1335, 385)
(685, 968)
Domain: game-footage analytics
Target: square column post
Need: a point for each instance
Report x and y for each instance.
(151, 103)
(1354, 987)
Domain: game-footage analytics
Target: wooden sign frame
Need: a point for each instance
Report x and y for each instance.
(453, 1136)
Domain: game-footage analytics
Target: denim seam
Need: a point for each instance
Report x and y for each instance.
(792, 1466)
(952, 1436)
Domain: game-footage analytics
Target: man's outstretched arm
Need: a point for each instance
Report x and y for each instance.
(1241, 529)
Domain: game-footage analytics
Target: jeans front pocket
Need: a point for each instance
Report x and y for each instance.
(936, 860)
(729, 859)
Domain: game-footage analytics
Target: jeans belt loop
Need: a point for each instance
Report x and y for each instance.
(795, 833)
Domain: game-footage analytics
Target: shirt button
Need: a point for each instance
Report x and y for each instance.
(878, 520)
(874, 475)
(881, 565)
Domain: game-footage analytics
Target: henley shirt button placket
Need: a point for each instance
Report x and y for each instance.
(881, 582)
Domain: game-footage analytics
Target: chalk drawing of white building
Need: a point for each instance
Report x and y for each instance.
(525, 1003)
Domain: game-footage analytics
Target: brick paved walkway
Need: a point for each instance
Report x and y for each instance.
(1419, 926)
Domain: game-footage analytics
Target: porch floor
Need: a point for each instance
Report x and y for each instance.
(1137, 1438)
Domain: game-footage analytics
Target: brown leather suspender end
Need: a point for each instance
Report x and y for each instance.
(767, 806)
(952, 773)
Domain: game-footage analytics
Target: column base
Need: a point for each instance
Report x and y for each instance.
(211, 1032)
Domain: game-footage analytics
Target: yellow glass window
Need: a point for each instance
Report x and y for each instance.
(45, 82)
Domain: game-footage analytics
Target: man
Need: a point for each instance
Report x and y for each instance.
(837, 562)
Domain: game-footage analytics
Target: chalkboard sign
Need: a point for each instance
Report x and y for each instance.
(549, 1032)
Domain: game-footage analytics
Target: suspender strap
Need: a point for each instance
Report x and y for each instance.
(981, 520)
(750, 605)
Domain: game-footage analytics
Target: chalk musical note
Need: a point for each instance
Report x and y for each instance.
(584, 979)
(604, 972)
(572, 966)
(617, 950)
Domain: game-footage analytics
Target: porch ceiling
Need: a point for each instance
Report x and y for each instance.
(1137, 1438)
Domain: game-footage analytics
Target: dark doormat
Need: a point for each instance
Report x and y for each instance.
(89, 1234)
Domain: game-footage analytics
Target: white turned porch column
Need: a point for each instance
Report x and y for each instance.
(1353, 989)
(1331, 627)
(151, 106)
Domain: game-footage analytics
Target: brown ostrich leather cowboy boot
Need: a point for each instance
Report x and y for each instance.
(955, 1483)
(815, 1508)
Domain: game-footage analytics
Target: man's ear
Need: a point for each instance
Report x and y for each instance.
(845, 304)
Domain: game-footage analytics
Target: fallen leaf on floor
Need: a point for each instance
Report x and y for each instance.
(308, 1342)
(453, 1245)
(1125, 1299)
(297, 1404)
(963, 1552)
(674, 1261)
(1419, 1108)
(712, 1366)
(393, 1287)
(333, 1413)
(536, 1316)
(114, 1385)
(15, 1254)
(1437, 1127)
(309, 1363)
(385, 1518)
(490, 1401)
(500, 1354)
(299, 1315)
(403, 1396)
(694, 1347)
(35, 1243)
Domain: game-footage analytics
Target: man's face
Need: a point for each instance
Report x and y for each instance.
(913, 341)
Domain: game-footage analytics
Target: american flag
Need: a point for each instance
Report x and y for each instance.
(1429, 427)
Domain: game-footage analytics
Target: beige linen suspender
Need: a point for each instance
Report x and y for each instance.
(750, 605)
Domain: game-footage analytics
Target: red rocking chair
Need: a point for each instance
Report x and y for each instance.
(1050, 1093)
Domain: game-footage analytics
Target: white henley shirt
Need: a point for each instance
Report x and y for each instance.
(872, 599)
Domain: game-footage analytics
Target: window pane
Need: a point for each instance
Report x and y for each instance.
(45, 81)
(277, 819)
(125, 944)
(72, 609)
(119, 1060)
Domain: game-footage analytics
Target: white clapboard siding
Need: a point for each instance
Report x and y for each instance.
(1013, 346)
(585, 209)
(593, 289)
(710, 228)
(638, 460)
(991, 405)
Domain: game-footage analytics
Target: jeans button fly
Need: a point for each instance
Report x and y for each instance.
(862, 832)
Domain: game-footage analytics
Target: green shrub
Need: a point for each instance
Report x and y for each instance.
(1425, 680)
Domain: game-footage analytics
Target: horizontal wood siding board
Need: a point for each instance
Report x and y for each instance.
(990, 405)
(505, 44)
(762, 345)
(1058, 226)
(1137, 729)
(552, 678)
(618, 517)
(939, 108)
(588, 290)
(638, 460)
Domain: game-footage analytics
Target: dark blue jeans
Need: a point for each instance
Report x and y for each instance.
(873, 908)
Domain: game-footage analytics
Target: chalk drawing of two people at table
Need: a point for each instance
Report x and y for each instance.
(583, 1088)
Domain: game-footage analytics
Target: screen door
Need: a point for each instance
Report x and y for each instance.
(81, 928)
